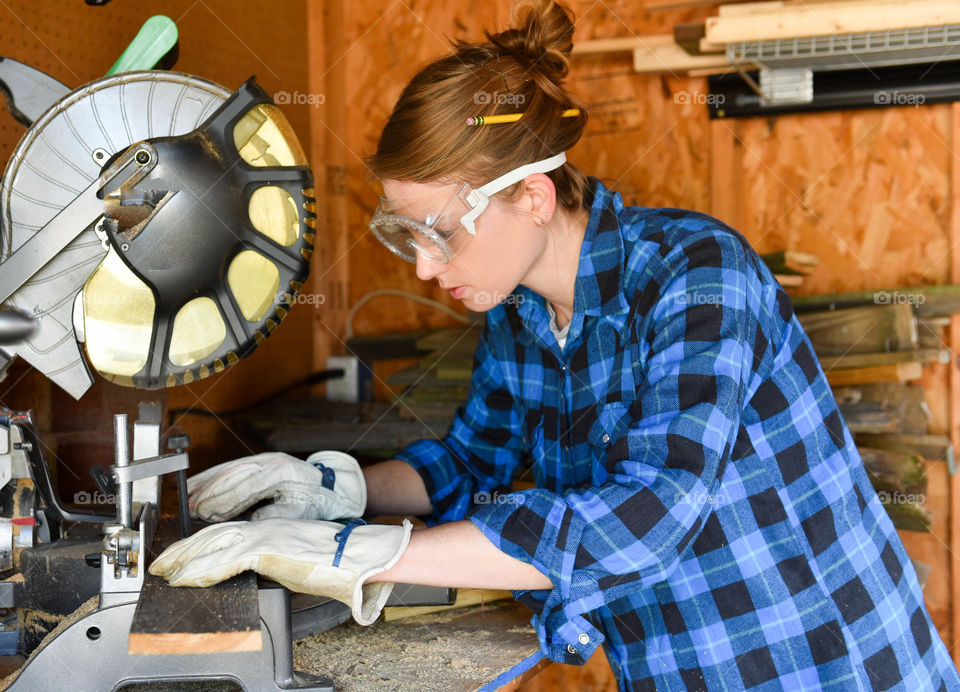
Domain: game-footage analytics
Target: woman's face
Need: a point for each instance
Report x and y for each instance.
(493, 263)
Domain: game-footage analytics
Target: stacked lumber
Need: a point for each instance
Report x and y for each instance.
(872, 346)
(433, 388)
(789, 266)
(701, 48)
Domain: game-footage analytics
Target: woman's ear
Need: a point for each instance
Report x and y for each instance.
(538, 197)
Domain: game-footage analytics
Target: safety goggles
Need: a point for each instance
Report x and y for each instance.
(444, 233)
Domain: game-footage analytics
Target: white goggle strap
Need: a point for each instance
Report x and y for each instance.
(478, 199)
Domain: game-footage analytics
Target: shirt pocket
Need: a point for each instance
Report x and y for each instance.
(609, 427)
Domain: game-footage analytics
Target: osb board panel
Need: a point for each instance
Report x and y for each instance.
(866, 191)
(385, 48)
(221, 40)
(641, 139)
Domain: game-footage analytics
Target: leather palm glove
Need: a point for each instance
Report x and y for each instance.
(316, 557)
(328, 485)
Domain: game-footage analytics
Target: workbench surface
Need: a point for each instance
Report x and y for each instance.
(459, 649)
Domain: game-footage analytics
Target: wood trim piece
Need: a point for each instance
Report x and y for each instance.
(899, 372)
(828, 19)
(652, 54)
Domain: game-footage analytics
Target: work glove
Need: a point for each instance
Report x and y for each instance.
(316, 557)
(328, 485)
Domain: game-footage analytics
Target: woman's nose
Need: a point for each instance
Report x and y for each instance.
(427, 268)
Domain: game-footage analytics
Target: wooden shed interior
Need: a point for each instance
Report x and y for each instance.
(873, 193)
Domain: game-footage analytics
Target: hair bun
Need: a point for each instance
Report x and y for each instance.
(541, 36)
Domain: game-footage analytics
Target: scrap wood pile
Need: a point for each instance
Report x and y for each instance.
(872, 346)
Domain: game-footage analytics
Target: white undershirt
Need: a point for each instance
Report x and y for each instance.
(561, 334)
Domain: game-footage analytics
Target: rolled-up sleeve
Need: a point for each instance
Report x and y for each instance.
(481, 449)
(664, 465)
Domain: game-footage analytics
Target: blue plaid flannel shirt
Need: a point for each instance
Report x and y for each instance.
(700, 506)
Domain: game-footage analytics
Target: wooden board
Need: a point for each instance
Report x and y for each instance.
(900, 372)
(186, 620)
(825, 19)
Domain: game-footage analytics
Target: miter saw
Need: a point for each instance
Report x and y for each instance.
(154, 227)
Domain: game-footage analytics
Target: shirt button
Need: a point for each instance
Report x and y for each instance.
(563, 367)
(584, 639)
(606, 438)
(571, 649)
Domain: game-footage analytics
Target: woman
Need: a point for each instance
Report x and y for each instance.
(700, 509)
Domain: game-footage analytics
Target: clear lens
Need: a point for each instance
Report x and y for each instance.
(438, 237)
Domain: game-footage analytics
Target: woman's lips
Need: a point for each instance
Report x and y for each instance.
(457, 291)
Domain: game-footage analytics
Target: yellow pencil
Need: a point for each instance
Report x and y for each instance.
(512, 117)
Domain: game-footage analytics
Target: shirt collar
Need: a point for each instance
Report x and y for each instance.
(598, 288)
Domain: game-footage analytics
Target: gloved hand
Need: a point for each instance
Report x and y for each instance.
(328, 485)
(317, 557)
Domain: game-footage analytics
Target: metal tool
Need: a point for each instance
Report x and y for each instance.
(120, 559)
(154, 227)
(158, 220)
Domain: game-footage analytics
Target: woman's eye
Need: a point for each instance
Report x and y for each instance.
(446, 235)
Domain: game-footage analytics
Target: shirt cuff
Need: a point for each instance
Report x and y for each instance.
(447, 482)
(537, 527)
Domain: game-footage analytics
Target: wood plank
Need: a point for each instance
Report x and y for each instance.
(465, 597)
(669, 57)
(873, 329)
(661, 5)
(652, 54)
(900, 372)
(790, 262)
(932, 447)
(179, 620)
(688, 37)
(831, 19)
(753, 7)
(865, 360)
(894, 472)
(928, 301)
(906, 404)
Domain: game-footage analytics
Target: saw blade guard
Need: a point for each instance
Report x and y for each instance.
(199, 252)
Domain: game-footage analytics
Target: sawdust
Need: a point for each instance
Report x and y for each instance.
(452, 650)
(48, 618)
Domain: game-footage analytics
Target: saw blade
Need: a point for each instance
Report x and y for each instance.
(59, 156)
